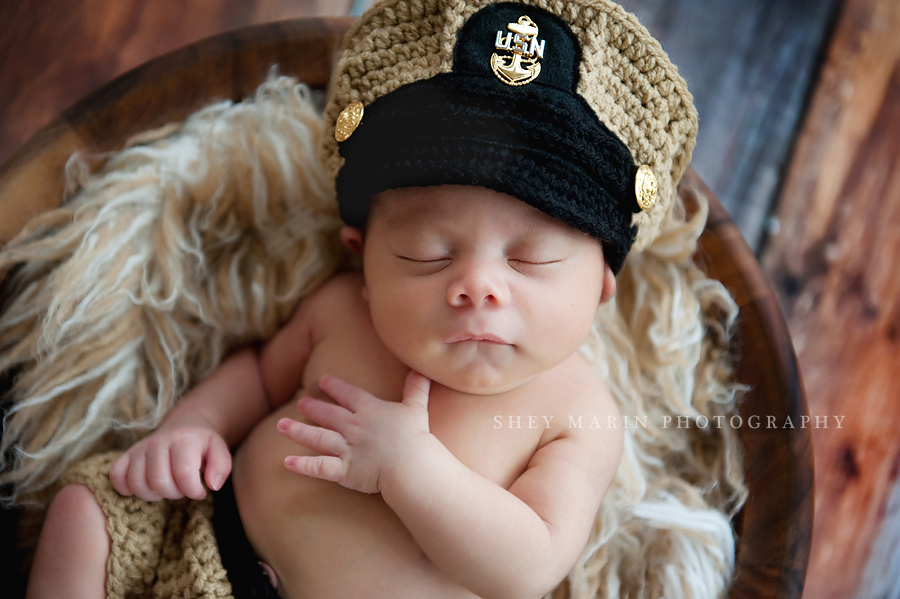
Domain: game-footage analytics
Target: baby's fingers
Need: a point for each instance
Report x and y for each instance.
(159, 474)
(324, 467)
(315, 438)
(416, 389)
(136, 479)
(325, 414)
(345, 394)
(118, 475)
(218, 463)
(187, 459)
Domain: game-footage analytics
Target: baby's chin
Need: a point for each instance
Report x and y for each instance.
(477, 380)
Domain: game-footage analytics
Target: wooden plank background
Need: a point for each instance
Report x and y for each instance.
(53, 52)
(813, 134)
(835, 267)
(750, 65)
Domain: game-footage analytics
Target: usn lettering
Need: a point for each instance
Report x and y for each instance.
(515, 42)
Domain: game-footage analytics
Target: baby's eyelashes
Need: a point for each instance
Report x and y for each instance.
(426, 266)
(533, 262)
(531, 267)
(524, 264)
(424, 260)
(512, 260)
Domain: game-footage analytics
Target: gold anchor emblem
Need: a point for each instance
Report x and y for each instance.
(521, 41)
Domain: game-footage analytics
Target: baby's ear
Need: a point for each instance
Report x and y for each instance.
(352, 239)
(609, 283)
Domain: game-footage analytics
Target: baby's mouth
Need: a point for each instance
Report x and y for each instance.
(478, 337)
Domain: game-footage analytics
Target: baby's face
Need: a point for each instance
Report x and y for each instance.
(477, 290)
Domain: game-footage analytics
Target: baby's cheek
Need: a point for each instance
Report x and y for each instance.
(563, 330)
(403, 335)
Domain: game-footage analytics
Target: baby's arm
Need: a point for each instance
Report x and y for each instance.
(496, 542)
(217, 414)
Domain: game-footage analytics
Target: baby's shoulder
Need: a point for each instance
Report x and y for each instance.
(581, 399)
(343, 284)
(337, 302)
(579, 386)
(338, 295)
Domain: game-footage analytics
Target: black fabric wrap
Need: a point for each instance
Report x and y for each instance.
(538, 144)
(248, 579)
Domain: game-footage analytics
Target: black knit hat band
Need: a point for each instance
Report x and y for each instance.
(537, 143)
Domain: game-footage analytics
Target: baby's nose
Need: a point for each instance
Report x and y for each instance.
(478, 283)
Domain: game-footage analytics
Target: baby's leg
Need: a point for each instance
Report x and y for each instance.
(73, 548)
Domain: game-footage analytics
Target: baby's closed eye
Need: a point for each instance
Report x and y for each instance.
(425, 264)
(533, 264)
(424, 259)
(534, 261)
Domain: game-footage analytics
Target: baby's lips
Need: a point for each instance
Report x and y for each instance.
(488, 337)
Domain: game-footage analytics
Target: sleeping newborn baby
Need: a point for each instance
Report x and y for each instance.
(395, 480)
(486, 167)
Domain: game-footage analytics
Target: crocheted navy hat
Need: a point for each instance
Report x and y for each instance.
(555, 103)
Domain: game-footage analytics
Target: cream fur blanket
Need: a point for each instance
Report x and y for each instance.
(204, 235)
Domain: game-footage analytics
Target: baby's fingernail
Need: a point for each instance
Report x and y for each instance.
(217, 482)
(283, 424)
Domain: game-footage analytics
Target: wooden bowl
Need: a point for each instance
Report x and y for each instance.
(775, 525)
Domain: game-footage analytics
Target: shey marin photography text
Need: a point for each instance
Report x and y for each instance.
(526, 421)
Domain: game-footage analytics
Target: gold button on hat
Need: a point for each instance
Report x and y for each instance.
(348, 120)
(646, 187)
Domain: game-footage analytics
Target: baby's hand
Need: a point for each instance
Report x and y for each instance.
(362, 437)
(167, 464)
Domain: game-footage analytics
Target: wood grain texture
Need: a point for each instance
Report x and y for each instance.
(53, 52)
(750, 65)
(834, 266)
(229, 66)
